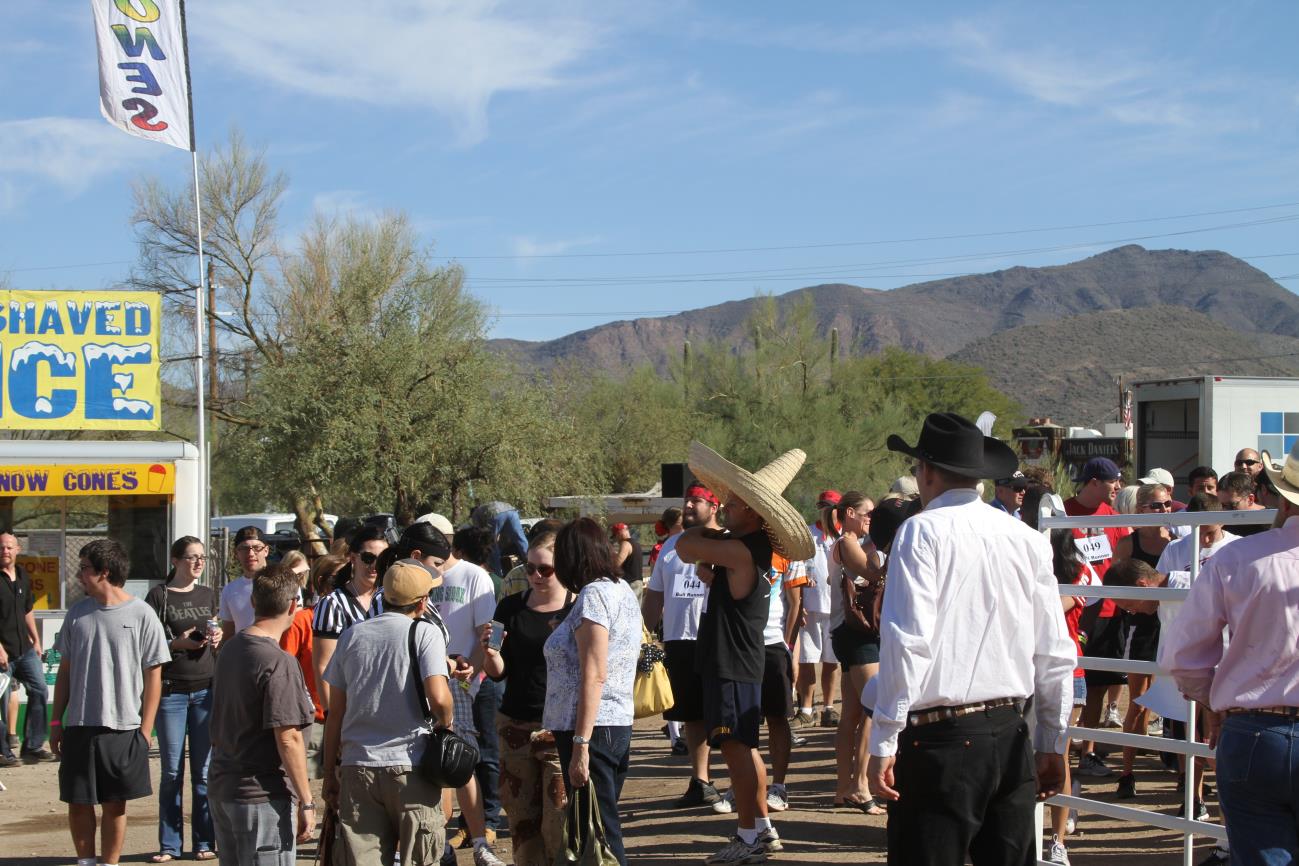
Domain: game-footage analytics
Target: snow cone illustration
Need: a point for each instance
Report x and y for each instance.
(157, 478)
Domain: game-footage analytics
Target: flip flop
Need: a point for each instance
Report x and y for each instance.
(866, 807)
(162, 858)
(205, 855)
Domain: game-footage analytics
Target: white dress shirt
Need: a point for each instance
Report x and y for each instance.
(971, 613)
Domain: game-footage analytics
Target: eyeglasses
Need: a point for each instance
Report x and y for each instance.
(194, 560)
(252, 548)
(543, 570)
(368, 558)
(1248, 462)
(1159, 506)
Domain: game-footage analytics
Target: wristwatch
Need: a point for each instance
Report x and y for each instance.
(579, 740)
(308, 807)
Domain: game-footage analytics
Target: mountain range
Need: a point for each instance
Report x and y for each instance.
(1056, 338)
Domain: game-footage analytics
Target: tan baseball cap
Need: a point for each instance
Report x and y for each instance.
(407, 581)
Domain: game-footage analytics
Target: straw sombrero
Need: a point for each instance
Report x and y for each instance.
(1284, 477)
(762, 491)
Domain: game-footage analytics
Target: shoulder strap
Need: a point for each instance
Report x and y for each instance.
(420, 697)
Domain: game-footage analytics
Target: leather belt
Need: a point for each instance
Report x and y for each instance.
(1288, 712)
(942, 714)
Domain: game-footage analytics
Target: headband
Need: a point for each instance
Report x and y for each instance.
(699, 491)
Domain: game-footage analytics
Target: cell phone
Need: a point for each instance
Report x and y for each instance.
(497, 635)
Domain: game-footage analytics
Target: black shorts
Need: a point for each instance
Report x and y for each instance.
(1105, 640)
(1141, 636)
(687, 688)
(101, 765)
(777, 682)
(732, 711)
(853, 647)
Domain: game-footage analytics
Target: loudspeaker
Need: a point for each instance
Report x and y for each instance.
(675, 478)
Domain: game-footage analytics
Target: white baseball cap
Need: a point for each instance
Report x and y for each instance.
(1158, 476)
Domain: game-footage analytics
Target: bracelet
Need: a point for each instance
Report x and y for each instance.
(56, 723)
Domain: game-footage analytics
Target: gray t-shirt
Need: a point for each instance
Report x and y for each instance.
(372, 664)
(106, 649)
(611, 604)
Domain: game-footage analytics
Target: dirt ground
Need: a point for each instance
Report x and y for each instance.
(33, 827)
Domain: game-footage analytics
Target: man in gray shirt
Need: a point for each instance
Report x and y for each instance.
(374, 726)
(109, 685)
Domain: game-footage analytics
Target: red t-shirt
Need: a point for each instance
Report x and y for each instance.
(1086, 577)
(1099, 561)
(297, 643)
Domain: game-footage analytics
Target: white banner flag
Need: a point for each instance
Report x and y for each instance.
(143, 79)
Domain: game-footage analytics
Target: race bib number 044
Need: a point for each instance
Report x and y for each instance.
(689, 586)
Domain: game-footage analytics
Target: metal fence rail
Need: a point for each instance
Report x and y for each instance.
(1189, 747)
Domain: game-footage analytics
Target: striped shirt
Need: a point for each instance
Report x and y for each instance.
(340, 610)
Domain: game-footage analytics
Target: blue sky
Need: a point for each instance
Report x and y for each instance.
(577, 156)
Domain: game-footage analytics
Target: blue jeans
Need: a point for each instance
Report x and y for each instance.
(488, 771)
(26, 671)
(506, 526)
(610, 754)
(1258, 786)
(178, 715)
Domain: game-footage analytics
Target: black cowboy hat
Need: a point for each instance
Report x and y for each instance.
(950, 442)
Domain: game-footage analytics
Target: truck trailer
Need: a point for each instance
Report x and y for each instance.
(1205, 420)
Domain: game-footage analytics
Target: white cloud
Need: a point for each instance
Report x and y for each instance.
(68, 152)
(445, 55)
(530, 246)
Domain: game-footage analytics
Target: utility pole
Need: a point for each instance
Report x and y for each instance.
(214, 388)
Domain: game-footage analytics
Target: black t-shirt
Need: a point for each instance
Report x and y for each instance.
(523, 654)
(15, 603)
(190, 670)
(633, 566)
(1245, 529)
(730, 644)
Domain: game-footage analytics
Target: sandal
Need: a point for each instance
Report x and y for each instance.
(164, 857)
(866, 807)
(205, 855)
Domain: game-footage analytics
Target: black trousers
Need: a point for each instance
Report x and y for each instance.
(967, 786)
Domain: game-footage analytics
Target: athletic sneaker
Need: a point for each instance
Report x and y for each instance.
(1200, 812)
(1218, 856)
(1127, 786)
(777, 801)
(1112, 719)
(1057, 853)
(738, 852)
(679, 748)
(1091, 766)
(485, 856)
(725, 803)
(796, 740)
(699, 793)
(802, 720)
(769, 839)
(829, 718)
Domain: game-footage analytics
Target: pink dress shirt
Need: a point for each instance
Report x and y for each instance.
(1250, 587)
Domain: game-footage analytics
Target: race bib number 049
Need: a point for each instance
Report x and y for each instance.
(1096, 548)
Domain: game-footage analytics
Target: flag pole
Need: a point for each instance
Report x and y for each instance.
(204, 479)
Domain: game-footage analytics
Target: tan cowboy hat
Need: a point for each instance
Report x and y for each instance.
(1284, 477)
(762, 491)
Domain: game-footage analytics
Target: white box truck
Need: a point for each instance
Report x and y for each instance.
(1204, 420)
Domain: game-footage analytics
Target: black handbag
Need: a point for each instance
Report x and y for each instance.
(449, 759)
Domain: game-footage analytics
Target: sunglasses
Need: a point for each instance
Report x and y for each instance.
(368, 558)
(543, 570)
(1248, 462)
(1159, 506)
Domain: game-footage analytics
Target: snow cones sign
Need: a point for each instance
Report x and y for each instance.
(80, 361)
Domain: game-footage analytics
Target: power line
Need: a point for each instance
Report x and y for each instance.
(819, 246)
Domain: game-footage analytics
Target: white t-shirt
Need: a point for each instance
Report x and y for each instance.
(775, 631)
(237, 603)
(1177, 554)
(466, 600)
(683, 592)
(818, 595)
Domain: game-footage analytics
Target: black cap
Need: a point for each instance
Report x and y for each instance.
(887, 517)
(249, 533)
(1017, 480)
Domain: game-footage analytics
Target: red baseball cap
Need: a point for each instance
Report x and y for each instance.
(829, 497)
